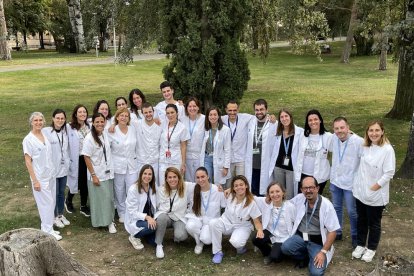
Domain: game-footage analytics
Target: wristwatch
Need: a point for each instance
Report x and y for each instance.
(324, 251)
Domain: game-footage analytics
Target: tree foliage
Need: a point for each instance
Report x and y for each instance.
(202, 39)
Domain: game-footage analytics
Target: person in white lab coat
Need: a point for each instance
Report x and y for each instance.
(98, 158)
(372, 189)
(39, 162)
(315, 229)
(141, 204)
(216, 148)
(313, 150)
(284, 152)
(194, 121)
(236, 219)
(123, 143)
(278, 217)
(77, 177)
(206, 205)
(58, 138)
(173, 143)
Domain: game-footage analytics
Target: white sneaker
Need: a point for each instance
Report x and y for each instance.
(368, 255)
(111, 228)
(58, 223)
(56, 236)
(56, 232)
(358, 252)
(199, 248)
(121, 220)
(64, 220)
(136, 242)
(159, 252)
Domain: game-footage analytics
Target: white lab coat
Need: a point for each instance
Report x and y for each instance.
(327, 218)
(123, 149)
(248, 164)
(377, 165)
(135, 204)
(343, 173)
(274, 143)
(60, 150)
(221, 154)
(322, 166)
(75, 138)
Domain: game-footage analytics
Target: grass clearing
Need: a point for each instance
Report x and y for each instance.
(357, 90)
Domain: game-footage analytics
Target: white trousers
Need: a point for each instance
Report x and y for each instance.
(155, 166)
(236, 168)
(191, 165)
(199, 231)
(46, 201)
(238, 238)
(162, 169)
(122, 183)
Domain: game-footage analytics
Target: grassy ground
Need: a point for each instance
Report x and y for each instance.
(358, 91)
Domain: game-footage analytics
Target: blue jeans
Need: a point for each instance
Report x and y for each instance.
(296, 247)
(338, 197)
(60, 195)
(208, 164)
(146, 232)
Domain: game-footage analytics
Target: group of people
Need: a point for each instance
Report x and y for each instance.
(171, 166)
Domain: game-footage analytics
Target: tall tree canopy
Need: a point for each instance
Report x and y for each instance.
(202, 39)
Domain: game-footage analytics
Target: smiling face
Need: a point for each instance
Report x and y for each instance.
(213, 117)
(148, 113)
(167, 93)
(309, 189)
(104, 109)
(240, 188)
(375, 133)
(99, 124)
(37, 122)
(81, 115)
(276, 194)
(59, 120)
(314, 123)
(192, 109)
(202, 179)
(172, 180)
(285, 119)
(260, 112)
(341, 129)
(120, 103)
(137, 100)
(123, 118)
(232, 109)
(171, 114)
(146, 176)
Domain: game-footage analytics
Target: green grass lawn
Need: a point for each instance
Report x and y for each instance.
(357, 90)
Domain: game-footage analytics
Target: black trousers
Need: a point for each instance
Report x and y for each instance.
(274, 251)
(82, 182)
(256, 182)
(369, 220)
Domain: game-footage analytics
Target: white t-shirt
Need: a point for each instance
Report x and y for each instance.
(310, 154)
(177, 135)
(238, 215)
(148, 142)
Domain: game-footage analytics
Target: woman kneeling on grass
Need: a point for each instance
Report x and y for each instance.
(141, 205)
(172, 206)
(278, 217)
(235, 220)
(206, 205)
(98, 159)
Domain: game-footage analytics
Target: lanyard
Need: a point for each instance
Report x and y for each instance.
(286, 145)
(233, 133)
(104, 150)
(169, 135)
(276, 221)
(205, 206)
(211, 138)
(341, 154)
(313, 211)
(258, 138)
(60, 142)
(172, 201)
(192, 128)
(150, 213)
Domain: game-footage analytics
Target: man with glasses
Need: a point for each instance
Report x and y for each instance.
(315, 229)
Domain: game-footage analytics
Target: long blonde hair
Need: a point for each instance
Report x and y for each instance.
(180, 186)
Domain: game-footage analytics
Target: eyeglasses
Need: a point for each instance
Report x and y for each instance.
(312, 188)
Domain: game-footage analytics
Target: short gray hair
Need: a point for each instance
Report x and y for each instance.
(34, 114)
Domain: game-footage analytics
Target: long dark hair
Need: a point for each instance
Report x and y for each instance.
(133, 92)
(93, 130)
(58, 111)
(152, 182)
(120, 98)
(322, 128)
(197, 195)
(249, 195)
(280, 126)
(74, 120)
(98, 104)
(207, 125)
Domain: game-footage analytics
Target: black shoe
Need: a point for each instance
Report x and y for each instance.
(338, 237)
(69, 207)
(84, 210)
(302, 263)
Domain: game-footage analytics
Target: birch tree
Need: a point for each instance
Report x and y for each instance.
(75, 17)
(4, 48)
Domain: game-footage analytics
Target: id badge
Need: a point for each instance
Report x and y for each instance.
(256, 151)
(305, 236)
(286, 161)
(273, 239)
(168, 154)
(108, 171)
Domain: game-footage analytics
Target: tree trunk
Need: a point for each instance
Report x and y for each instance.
(404, 97)
(350, 35)
(42, 43)
(32, 252)
(407, 168)
(76, 22)
(4, 48)
(384, 51)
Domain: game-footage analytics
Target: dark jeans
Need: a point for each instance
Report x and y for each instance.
(256, 182)
(147, 233)
(321, 185)
(60, 195)
(368, 220)
(274, 251)
(82, 182)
